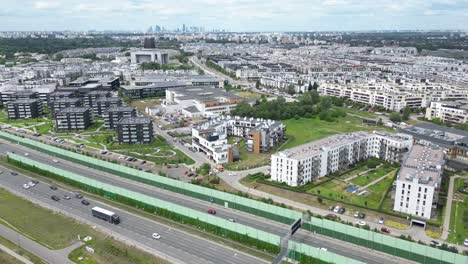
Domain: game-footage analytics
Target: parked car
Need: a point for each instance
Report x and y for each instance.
(434, 243)
(331, 216)
(341, 210)
(53, 187)
(156, 236)
(465, 243)
(381, 221)
(78, 195)
(25, 186)
(31, 184)
(336, 209)
(84, 202)
(55, 198)
(66, 197)
(361, 223)
(212, 211)
(385, 230)
(35, 181)
(143, 162)
(13, 173)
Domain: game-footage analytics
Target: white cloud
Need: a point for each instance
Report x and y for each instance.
(46, 4)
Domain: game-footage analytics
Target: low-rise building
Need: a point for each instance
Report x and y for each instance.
(24, 108)
(260, 136)
(449, 111)
(149, 55)
(308, 162)
(73, 118)
(135, 130)
(418, 181)
(113, 115)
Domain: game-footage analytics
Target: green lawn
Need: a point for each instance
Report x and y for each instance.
(459, 222)
(247, 159)
(359, 169)
(20, 251)
(6, 258)
(30, 123)
(303, 130)
(372, 175)
(360, 113)
(57, 232)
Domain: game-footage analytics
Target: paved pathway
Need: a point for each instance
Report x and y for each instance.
(448, 209)
(14, 254)
(49, 255)
(375, 181)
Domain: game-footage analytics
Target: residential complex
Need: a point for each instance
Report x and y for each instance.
(113, 115)
(135, 130)
(260, 135)
(452, 112)
(308, 162)
(73, 118)
(24, 108)
(418, 181)
(100, 105)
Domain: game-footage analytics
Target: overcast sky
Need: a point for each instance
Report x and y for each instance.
(234, 15)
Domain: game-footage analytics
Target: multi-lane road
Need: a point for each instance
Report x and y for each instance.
(336, 246)
(175, 246)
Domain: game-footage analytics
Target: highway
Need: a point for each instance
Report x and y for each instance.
(336, 246)
(175, 246)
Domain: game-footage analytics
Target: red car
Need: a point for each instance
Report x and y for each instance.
(385, 229)
(212, 211)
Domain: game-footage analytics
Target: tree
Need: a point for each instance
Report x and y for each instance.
(310, 88)
(395, 117)
(291, 90)
(257, 84)
(315, 87)
(406, 113)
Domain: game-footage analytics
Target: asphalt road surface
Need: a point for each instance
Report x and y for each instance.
(175, 245)
(302, 236)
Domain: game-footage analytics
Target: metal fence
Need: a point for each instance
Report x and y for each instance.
(303, 252)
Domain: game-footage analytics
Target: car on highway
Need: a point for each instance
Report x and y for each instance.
(381, 220)
(323, 249)
(78, 196)
(84, 202)
(26, 154)
(31, 184)
(13, 173)
(384, 229)
(52, 187)
(35, 181)
(25, 186)
(55, 198)
(66, 197)
(156, 236)
(361, 223)
(212, 211)
(231, 220)
(54, 160)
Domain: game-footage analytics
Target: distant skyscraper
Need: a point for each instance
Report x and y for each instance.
(184, 29)
(149, 43)
(150, 30)
(157, 29)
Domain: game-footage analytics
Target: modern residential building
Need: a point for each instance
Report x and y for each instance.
(260, 135)
(24, 108)
(73, 118)
(418, 181)
(200, 101)
(449, 111)
(153, 90)
(101, 104)
(149, 55)
(8, 96)
(89, 99)
(62, 103)
(135, 130)
(113, 115)
(308, 162)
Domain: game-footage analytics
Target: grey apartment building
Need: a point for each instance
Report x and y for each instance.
(113, 115)
(62, 103)
(135, 130)
(24, 108)
(73, 118)
(90, 98)
(101, 104)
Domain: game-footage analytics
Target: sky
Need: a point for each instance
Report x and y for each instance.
(234, 15)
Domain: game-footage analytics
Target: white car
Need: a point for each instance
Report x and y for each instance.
(156, 236)
(26, 186)
(31, 184)
(26, 154)
(361, 223)
(381, 220)
(323, 249)
(337, 208)
(54, 160)
(465, 243)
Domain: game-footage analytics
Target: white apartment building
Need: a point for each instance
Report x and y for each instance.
(449, 111)
(305, 163)
(419, 180)
(393, 96)
(260, 136)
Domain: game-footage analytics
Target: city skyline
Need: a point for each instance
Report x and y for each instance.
(234, 15)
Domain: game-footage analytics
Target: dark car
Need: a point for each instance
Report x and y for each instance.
(331, 216)
(362, 215)
(55, 198)
(85, 202)
(331, 208)
(14, 173)
(385, 230)
(53, 187)
(78, 195)
(35, 181)
(212, 211)
(143, 162)
(341, 210)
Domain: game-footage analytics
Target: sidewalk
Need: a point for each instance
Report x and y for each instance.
(49, 255)
(448, 209)
(15, 255)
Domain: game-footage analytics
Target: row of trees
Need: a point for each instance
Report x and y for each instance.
(308, 105)
(156, 66)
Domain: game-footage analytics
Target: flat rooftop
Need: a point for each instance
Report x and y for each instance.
(423, 163)
(135, 120)
(202, 93)
(120, 109)
(73, 110)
